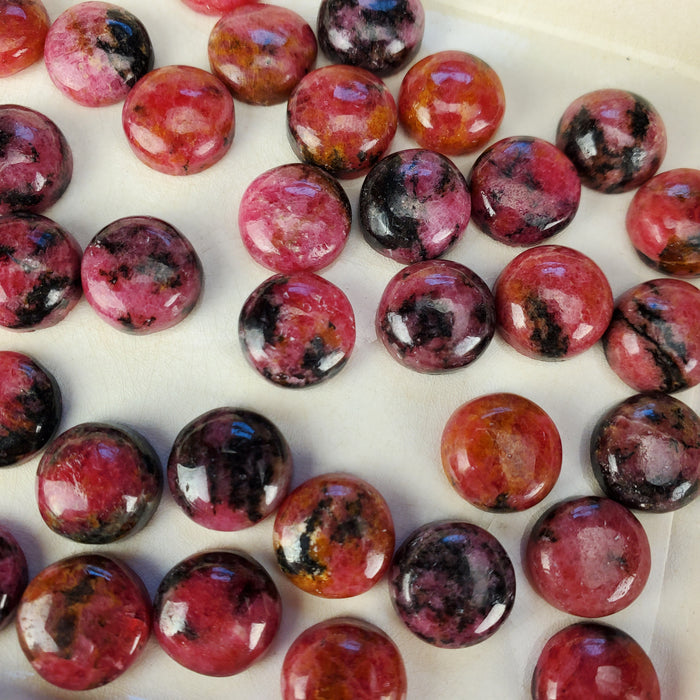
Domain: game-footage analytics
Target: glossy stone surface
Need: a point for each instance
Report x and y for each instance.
(341, 118)
(261, 52)
(663, 222)
(590, 660)
(216, 7)
(334, 536)
(179, 120)
(345, 659)
(615, 138)
(378, 35)
(23, 27)
(588, 556)
(414, 205)
(436, 315)
(30, 407)
(297, 330)
(141, 275)
(39, 272)
(645, 453)
(83, 621)
(216, 612)
(95, 52)
(451, 102)
(294, 217)
(524, 190)
(452, 584)
(36, 162)
(653, 342)
(552, 302)
(229, 468)
(14, 575)
(98, 483)
(501, 452)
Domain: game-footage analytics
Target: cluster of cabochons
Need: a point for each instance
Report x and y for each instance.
(333, 536)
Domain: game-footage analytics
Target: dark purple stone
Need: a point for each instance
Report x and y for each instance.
(14, 575)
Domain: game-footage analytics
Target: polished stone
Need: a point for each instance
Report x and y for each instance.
(216, 7)
(23, 27)
(14, 575)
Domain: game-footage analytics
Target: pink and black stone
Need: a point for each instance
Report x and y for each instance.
(95, 52)
(452, 584)
(297, 330)
(588, 556)
(343, 658)
(14, 575)
(436, 315)
(30, 407)
(216, 7)
(591, 660)
(39, 272)
(334, 536)
(216, 612)
(552, 302)
(141, 275)
(615, 139)
(524, 190)
(414, 205)
(653, 341)
(645, 453)
(98, 483)
(83, 621)
(229, 469)
(381, 36)
(36, 162)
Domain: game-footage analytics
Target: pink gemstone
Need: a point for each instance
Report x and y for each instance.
(216, 7)
(552, 302)
(216, 612)
(451, 102)
(23, 27)
(297, 330)
(261, 52)
(294, 217)
(653, 342)
(39, 272)
(341, 118)
(343, 658)
(14, 575)
(334, 536)
(83, 621)
(501, 452)
(663, 222)
(96, 51)
(588, 556)
(141, 275)
(179, 120)
(589, 660)
(524, 190)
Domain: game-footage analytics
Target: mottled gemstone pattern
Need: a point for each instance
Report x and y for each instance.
(95, 52)
(23, 28)
(341, 658)
(30, 407)
(216, 612)
(36, 162)
(381, 36)
(645, 452)
(615, 138)
(524, 190)
(97, 483)
(229, 468)
(588, 556)
(216, 7)
(141, 275)
(435, 316)
(14, 575)
(334, 536)
(83, 621)
(414, 205)
(653, 342)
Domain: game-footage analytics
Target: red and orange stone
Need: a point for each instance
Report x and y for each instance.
(501, 452)
(23, 28)
(179, 120)
(345, 659)
(451, 102)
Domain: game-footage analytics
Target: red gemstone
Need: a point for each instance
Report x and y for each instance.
(216, 7)
(23, 28)
(14, 575)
